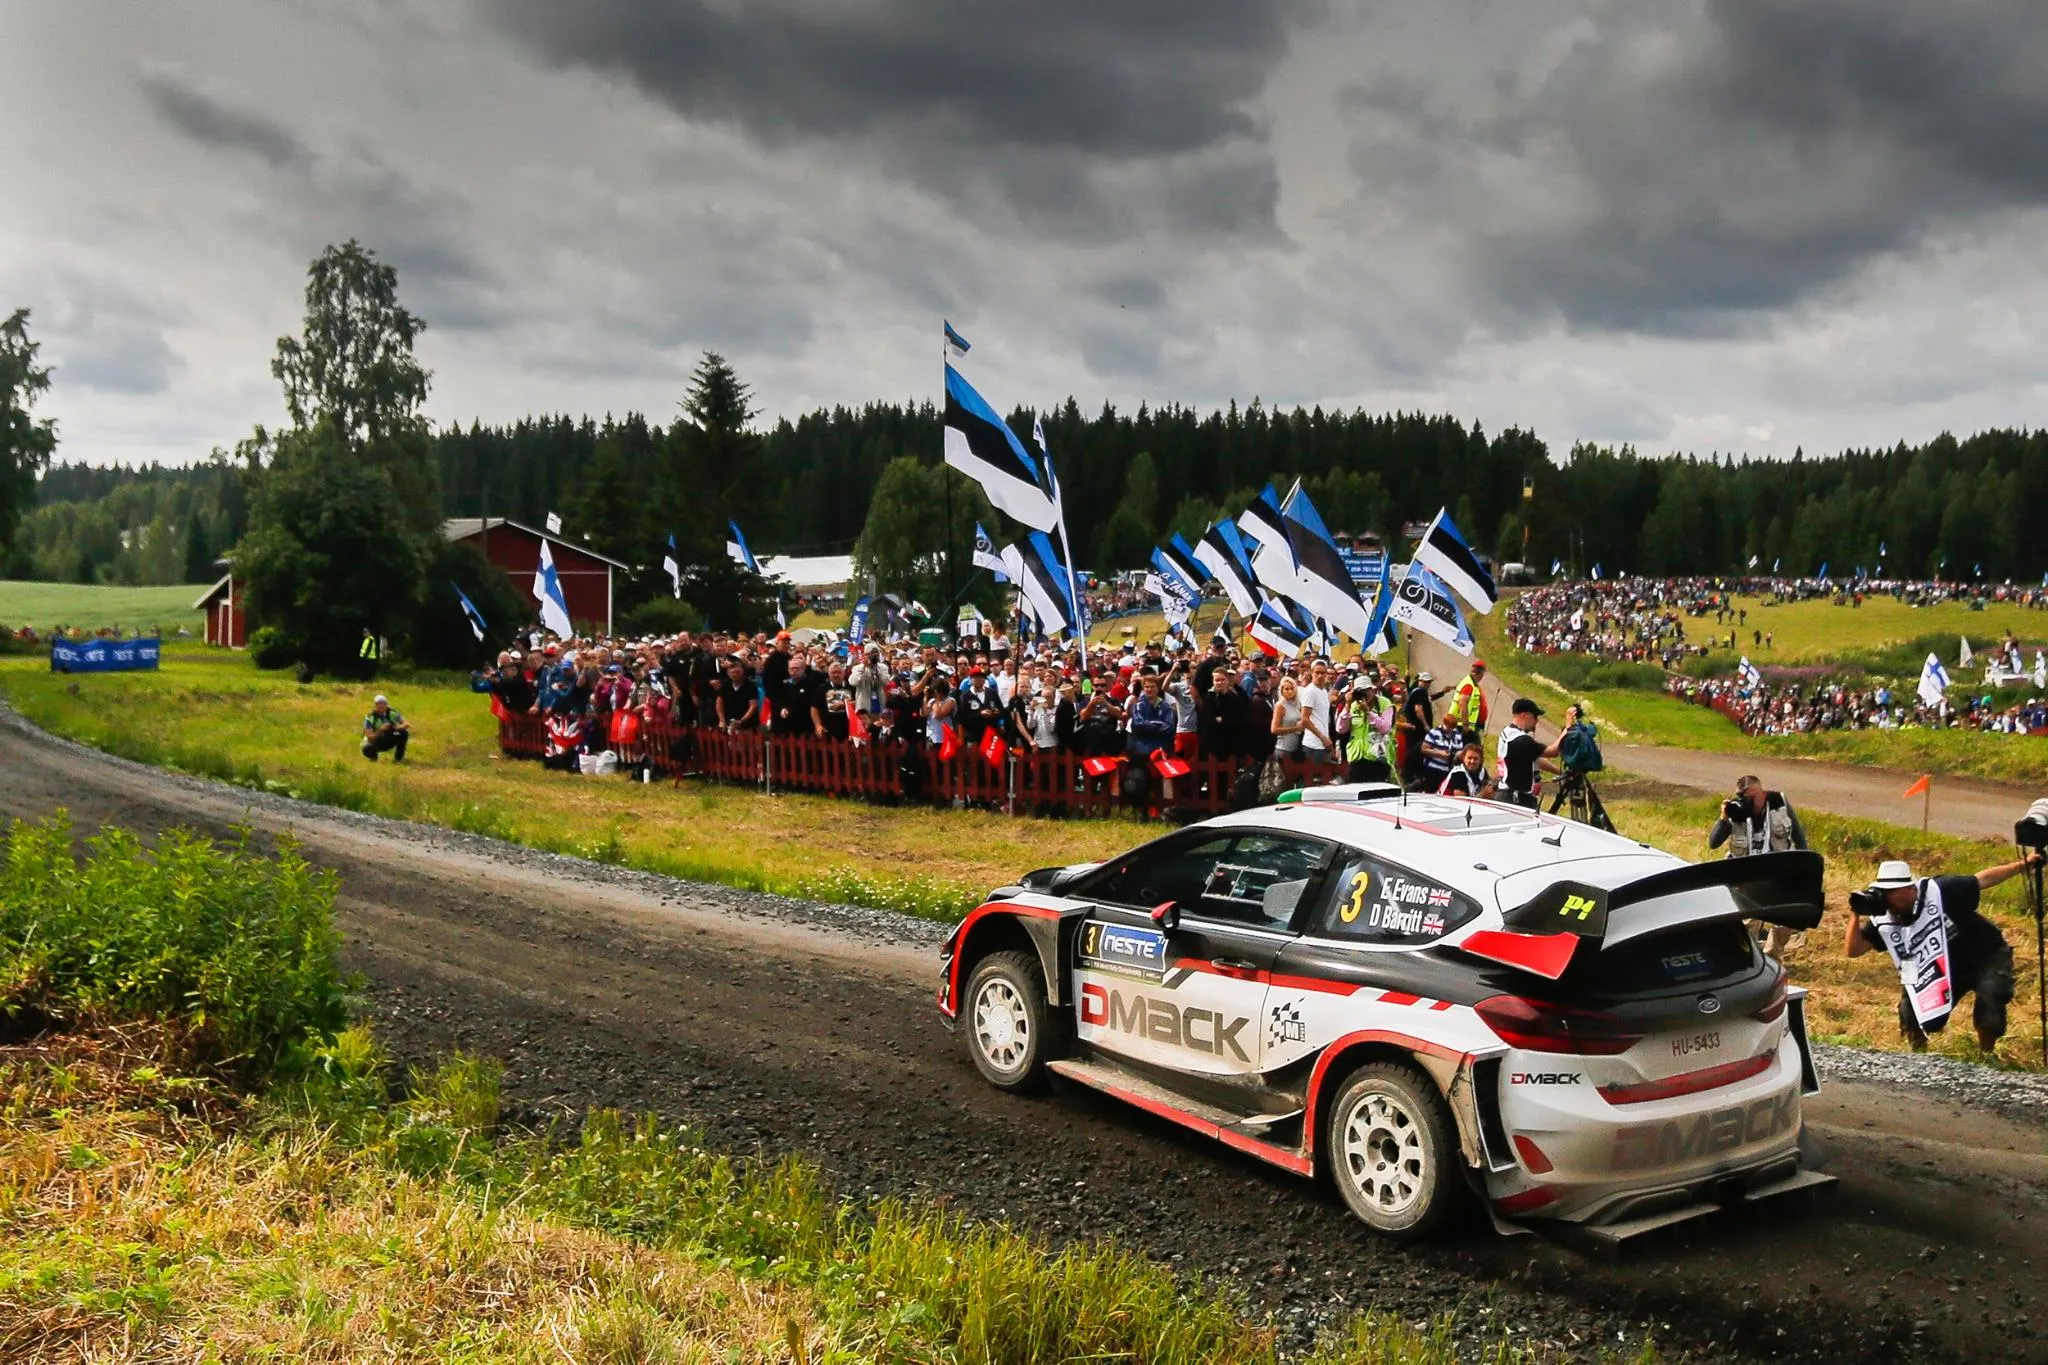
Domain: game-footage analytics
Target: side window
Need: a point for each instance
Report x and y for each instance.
(1374, 901)
(1174, 871)
(1260, 880)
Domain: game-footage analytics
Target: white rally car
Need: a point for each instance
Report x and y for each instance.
(1423, 999)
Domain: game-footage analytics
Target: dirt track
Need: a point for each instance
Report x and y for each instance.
(1962, 805)
(768, 1023)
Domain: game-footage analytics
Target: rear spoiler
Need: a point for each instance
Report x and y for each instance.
(1543, 933)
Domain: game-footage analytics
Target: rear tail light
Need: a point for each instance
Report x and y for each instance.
(1774, 1006)
(1535, 1027)
(1532, 1156)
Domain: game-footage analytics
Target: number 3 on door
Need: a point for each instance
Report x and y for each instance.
(1350, 910)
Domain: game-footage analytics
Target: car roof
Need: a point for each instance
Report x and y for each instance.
(1470, 844)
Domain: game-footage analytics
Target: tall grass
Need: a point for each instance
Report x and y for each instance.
(237, 948)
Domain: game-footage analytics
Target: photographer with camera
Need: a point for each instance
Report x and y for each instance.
(1941, 943)
(1758, 821)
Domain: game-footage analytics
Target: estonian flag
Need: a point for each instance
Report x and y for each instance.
(981, 445)
(476, 618)
(1380, 632)
(1043, 578)
(1177, 562)
(1557, 564)
(1326, 586)
(670, 567)
(1444, 553)
(736, 549)
(956, 345)
(985, 556)
(1223, 553)
(547, 590)
(1262, 524)
(1424, 603)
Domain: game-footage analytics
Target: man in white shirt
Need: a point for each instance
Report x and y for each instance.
(1315, 702)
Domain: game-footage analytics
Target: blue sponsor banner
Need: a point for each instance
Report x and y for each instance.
(1122, 948)
(1364, 565)
(104, 656)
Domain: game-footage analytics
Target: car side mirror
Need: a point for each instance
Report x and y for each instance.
(1166, 915)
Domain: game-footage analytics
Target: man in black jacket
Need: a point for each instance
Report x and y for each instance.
(1980, 960)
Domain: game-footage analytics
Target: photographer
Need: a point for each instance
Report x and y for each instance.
(1756, 821)
(1523, 757)
(385, 729)
(1979, 958)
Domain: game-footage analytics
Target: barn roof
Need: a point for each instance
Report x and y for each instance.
(207, 598)
(462, 528)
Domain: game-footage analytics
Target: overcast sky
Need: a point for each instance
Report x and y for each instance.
(1737, 225)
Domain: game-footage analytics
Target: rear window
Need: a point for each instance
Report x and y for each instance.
(1691, 955)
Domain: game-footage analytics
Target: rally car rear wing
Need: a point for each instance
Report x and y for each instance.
(1542, 934)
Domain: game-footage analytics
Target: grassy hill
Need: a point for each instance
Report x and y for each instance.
(93, 606)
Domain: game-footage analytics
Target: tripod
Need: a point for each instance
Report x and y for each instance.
(2035, 903)
(1582, 803)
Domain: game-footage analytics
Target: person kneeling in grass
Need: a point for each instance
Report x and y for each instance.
(384, 729)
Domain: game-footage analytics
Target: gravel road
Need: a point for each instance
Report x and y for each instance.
(1964, 806)
(783, 1025)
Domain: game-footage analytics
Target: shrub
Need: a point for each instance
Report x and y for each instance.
(1585, 673)
(269, 649)
(661, 615)
(238, 948)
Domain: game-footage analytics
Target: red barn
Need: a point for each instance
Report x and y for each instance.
(586, 576)
(222, 604)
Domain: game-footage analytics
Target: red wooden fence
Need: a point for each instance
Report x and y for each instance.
(1025, 783)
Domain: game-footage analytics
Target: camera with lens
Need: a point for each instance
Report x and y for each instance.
(2032, 831)
(1736, 809)
(1869, 904)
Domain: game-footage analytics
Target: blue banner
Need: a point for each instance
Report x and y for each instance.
(1364, 565)
(857, 630)
(104, 656)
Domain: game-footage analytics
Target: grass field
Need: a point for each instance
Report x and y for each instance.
(1820, 632)
(1655, 718)
(215, 713)
(46, 605)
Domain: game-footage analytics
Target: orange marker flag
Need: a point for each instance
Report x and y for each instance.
(1918, 788)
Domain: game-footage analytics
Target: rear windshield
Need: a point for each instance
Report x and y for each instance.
(1689, 957)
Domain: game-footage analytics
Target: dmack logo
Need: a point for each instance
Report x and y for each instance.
(1682, 1140)
(1193, 1028)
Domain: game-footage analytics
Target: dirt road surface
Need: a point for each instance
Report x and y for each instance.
(776, 1025)
(1963, 806)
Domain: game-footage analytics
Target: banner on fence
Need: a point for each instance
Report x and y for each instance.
(104, 656)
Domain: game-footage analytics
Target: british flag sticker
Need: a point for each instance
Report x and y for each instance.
(1439, 896)
(1432, 924)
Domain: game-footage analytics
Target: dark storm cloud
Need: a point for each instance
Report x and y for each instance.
(216, 123)
(1686, 166)
(1028, 100)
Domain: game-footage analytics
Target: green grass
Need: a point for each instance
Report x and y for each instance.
(93, 607)
(339, 1213)
(1820, 632)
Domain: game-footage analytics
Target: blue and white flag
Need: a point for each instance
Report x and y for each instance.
(547, 590)
(1933, 681)
(1444, 553)
(1380, 631)
(1175, 560)
(1326, 587)
(736, 549)
(1224, 554)
(554, 523)
(1775, 563)
(956, 345)
(985, 556)
(781, 621)
(981, 445)
(1556, 565)
(1822, 575)
(1264, 526)
(1752, 561)
(1596, 573)
(1752, 677)
(1880, 549)
(857, 628)
(476, 618)
(670, 567)
(1044, 582)
(1423, 602)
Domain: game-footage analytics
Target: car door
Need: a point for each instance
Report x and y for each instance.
(1191, 1000)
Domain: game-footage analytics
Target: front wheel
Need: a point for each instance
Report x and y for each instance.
(1392, 1151)
(1008, 1027)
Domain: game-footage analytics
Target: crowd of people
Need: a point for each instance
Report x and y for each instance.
(1761, 707)
(1360, 721)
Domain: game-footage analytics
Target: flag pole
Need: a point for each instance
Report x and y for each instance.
(1926, 805)
(1059, 508)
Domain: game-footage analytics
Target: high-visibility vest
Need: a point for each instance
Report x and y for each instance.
(369, 649)
(1468, 708)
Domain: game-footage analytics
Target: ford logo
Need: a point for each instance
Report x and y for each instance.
(1710, 1004)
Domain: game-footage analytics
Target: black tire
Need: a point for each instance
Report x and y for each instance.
(1009, 1030)
(1392, 1151)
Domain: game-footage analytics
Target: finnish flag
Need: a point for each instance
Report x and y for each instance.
(1444, 553)
(1933, 681)
(554, 524)
(1223, 553)
(736, 549)
(476, 618)
(670, 567)
(1752, 677)
(547, 590)
(981, 445)
(1753, 559)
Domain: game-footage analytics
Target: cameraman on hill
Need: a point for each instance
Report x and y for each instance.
(1758, 821)
(1979, 958)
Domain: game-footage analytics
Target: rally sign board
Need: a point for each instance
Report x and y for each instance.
(104, 655)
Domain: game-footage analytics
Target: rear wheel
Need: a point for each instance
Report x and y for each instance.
(1007, 1026)
(1393, 1153)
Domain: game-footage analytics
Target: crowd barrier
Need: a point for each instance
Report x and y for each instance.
(1023, 783)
